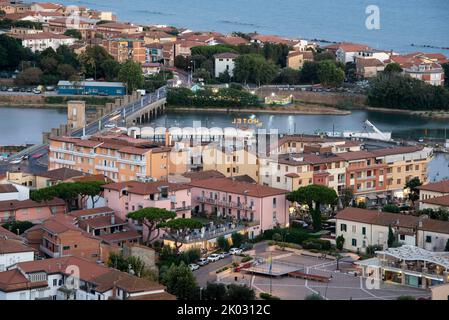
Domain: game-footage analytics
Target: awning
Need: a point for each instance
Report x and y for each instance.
(381, 196)
(371, 197)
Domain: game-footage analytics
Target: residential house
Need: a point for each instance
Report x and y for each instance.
(103, 223)
(13, 252)
(225, 62)
(435, 191)
(296, 59)
(368, 67)
(11, 191)
(362, 228)
(346, 52)
(29, 210)
(123, 49)
(74, 278)
(59, 237)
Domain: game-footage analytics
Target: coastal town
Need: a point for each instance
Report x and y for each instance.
(112, 205)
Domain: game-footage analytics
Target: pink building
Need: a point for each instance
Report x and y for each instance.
(29, 210)
(261, 206)
(125, 197)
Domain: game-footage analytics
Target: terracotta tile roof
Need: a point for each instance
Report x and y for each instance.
(39, 36)
(13, 280)
(356, 155)
(377, 217)
(435, 226)
(201, 175)
(226, 55)
(292, 175)
(439, 201)
(441, 186)
(100, 222)
(7, 188)
(11, 205)
(369, 62)
(13, 246)
(396, 150)
(126, 282)
(349, 47)
(88, 270)
(134, 150)
(88, 212)
(232, 40)
(145, 188)
(228, 185)
(120, 236)
(62, 174)
(6, 234)
(155, 296)
(56, 225)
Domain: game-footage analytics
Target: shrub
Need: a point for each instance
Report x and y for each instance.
(317, 244)
(391, 208)
(314, 296)
(267, 296)
(246, 259)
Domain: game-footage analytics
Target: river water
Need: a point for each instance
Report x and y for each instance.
(402, 22)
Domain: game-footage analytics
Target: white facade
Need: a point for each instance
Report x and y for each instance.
(40, 44)
(9, 259)
(224, 64)
(22, 193)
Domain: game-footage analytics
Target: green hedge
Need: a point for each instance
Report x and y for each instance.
(317, 244)
(223, 98)
(88, 100)
(267, 296)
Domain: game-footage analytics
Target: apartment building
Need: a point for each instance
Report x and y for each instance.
(74, 278)
(62, 24)
(264, 207)
(231, 162)
(296, 59)
(29, 210)
(362, 228)
(123, 49)
(420, 66)
(119, 158)
(434, 195)
(58, 237)
(103, 223)
(43, 40)
(125, 197)
(373, 175)
(113, 29)
(346, 51)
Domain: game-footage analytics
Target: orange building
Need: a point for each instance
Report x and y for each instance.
(119, 158)
(58, 237)
(123, 49)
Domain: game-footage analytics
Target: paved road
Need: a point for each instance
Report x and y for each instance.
(30, 166)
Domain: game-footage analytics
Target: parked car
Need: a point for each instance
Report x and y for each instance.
(213, 257)
(10, 89)
(194, 266)
(224, 254)
(36, 91)
(246, 246)
(235, 251)
(202, 261)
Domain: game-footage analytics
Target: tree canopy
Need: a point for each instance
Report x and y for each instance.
(151, 218)
(254, 68)
(180, 281)
(179, 228)
(131, 74)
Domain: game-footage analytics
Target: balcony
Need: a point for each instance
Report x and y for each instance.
(227, 204)
(182, 208)
(62, 161)
(106, 168)
(208, 233)
(49, 252)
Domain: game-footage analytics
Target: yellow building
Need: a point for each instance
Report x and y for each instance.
(231, 162)
(296, 59)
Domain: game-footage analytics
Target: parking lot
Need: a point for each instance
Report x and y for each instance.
(343, 285)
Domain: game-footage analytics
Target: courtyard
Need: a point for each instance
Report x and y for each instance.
(344, 284)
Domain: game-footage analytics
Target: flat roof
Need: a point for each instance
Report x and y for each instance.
(408, 253)
(91, 83)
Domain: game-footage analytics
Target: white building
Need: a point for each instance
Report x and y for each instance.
(430, 191)
(225, 62)
(13, 252)
(12, 191)
(362, 228)
(346, 52)
(44, 40)
(72, 278)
